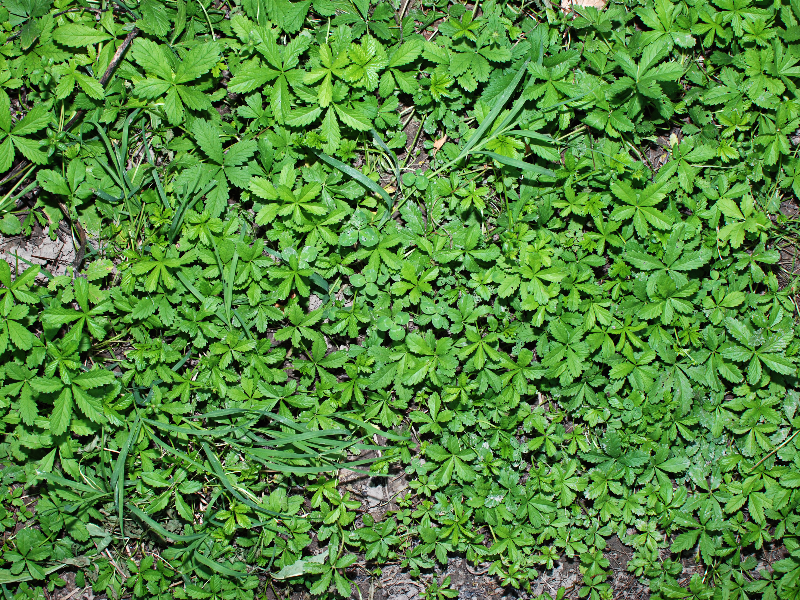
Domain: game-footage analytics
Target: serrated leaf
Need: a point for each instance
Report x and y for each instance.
(151, 57)
(198, 61)
(62, 412)
(53, 182)
(94, 378)
(36, 118)
(208, 137)
(91, 407)
(675, 465)
(77, 35)
(405, 53)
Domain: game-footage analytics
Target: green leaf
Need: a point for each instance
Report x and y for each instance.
(90, 86)
(6, 154)
(198, 61)
(90, 406)
(53, 182)
(358, 176)
(152, 58)
(791, 479)
(675, 465)
(405, 53)
(77, 35)
(353, 117)
(37, 118)
(155, 19)
(208, 138)
(519, 164)
(62, 412)
(94, 378)
(289, 16)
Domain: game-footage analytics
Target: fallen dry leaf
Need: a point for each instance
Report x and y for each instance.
(437, 145)
(566, 5)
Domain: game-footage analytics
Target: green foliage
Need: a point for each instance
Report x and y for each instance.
(539, 257)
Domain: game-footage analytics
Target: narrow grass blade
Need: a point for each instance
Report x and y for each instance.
(156, 179)
(215, 566)
(245, 324)
(299, 437)
(563, 102)
(371, 429)
(178, 453)
(534, 135)
(221, 268)
(44, 272)
(106, 196)
(113, 173)
(314, 446)
(216, 466)
(382, 145)
(159, 529)
(6, 576)
(195, 292)
(220, 431)
(74, 485)
(520, 164)
(227, 412)
(358, 176)
(277, 454)
(498, 107)
(117, 482)
(122, 150)
(286, 468)
(275, 417)
(182, 361)
(177, 219)
(9, 203)
(231, 277)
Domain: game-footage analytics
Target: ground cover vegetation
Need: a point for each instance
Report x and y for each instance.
(541, 261)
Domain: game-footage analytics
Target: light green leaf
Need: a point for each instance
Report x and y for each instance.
(77, 35)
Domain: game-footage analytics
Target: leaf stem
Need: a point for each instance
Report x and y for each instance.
(786, 441)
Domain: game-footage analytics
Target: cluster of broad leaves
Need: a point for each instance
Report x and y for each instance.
(569, 311)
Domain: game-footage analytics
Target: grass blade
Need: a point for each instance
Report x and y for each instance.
(43, 271)
(160, 530)
(231, 278)
(358, 176)
(245, 324)
(520, 164)
(220, 431)
(178, 453)
(382, 145)
(371, 429)
(215, 566)
(498, 107)
(221, 267)
(300, 437)
(114, 173)
(534, 135)
(73, 485)
(6, 576)
(216, 466)
(282, 468)
(195, 292)
(156, 179)
(117, 482)
(177, 219)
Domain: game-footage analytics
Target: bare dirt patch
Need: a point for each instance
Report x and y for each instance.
(54, 255)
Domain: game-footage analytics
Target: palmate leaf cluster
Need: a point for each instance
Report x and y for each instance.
(567, 312)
